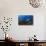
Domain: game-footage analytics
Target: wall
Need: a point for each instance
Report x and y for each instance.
(24, 32)
(45, 29)
(13, 8)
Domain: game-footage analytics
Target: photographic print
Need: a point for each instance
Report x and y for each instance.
(25, 20)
